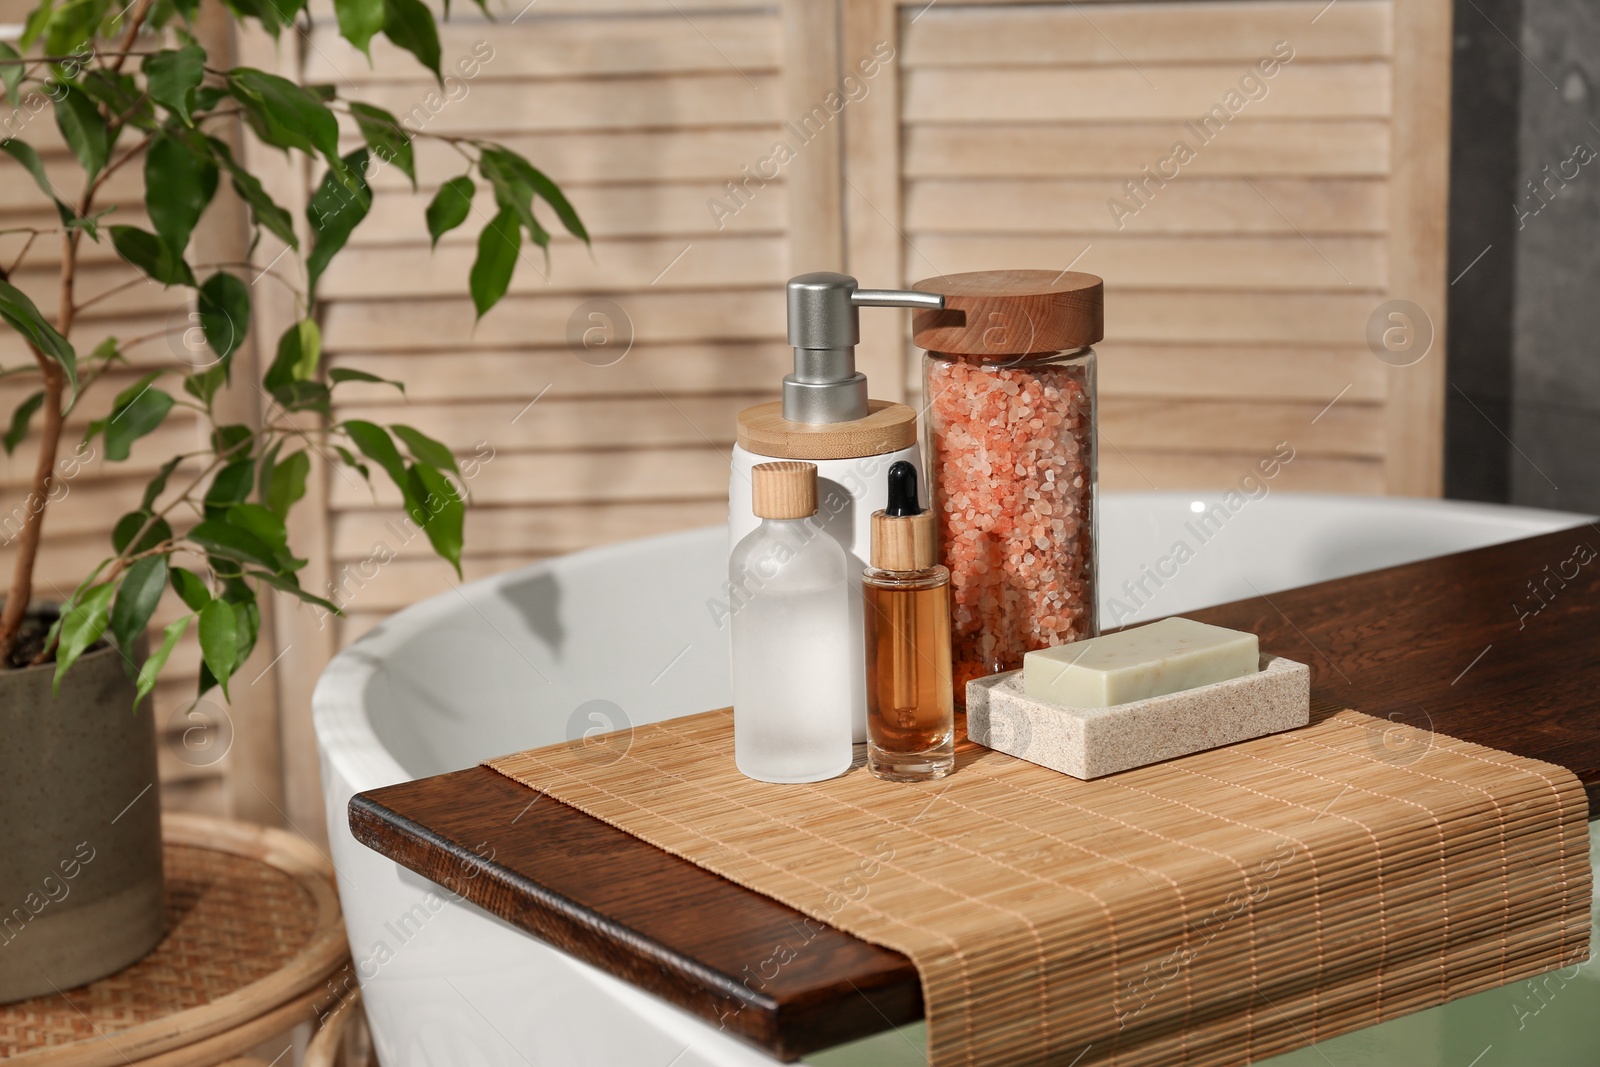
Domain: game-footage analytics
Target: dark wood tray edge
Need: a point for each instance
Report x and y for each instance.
(785, 1030)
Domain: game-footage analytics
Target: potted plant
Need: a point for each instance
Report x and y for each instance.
(130, 87)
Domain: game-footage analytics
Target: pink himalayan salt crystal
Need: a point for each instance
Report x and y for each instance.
(1009, 452)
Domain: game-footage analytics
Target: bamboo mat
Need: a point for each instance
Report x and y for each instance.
(1210, 910)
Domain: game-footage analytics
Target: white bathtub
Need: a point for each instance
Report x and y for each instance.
(524, 659)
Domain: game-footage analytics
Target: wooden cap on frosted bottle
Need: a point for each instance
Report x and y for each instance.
(784, 490)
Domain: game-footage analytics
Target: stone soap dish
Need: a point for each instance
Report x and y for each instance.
(1092, 742)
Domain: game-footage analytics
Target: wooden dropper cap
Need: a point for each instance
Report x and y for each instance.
(902, 533)
(784, 490)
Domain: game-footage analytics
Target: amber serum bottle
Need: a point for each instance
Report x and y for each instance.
(910, 713)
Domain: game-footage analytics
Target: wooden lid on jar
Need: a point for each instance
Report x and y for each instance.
(1002, 313)
(784, 490)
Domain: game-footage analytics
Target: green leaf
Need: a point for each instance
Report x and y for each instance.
(305, 396)
(203, 386)
(264, 211)
(83, 621)
(121, 95)
(38, 19)
(219, 640)
(374, 443)
(136, 600)
(390, 142)
(266, 13)
(299, 352)
(231, 485)
(11, 71)
(347, 374)
(178, 185)
(19, 421)
(89, 224)
(450, 207)
(512, 190)
(334, 210)
(21, 315)
(209, 96)
(173, 75)
(130, 524)
(190, 588)
(409, 24)
(151, 254)
(224, 309)
(289, 584)
(265, 466)
(284, 10)
(158, 484)
(23, 153)
(425, 449)
(287, 483)
(261, 522)
(284, 114)
(71, 25)
(133, 418)
(123, 399)
(498, 247)
(359, 20)
(536, 180)
(151, 668)
(247, 619)
(227, 441)
(352, 461)
(439, 511)
(78, 118)
(108, 352)
(217, 538)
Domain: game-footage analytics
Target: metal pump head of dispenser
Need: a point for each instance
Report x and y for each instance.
(824, 328)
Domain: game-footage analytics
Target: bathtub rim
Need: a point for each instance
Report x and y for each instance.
(347, 739)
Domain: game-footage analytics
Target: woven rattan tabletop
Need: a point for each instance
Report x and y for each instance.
(253, 932)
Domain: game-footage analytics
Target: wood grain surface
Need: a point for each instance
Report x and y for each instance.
(887, 427)
(1499, 646)
(1001, 313)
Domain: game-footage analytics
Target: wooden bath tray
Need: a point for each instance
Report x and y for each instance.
(1459, 644)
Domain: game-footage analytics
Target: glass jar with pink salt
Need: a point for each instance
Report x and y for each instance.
(1009, 391)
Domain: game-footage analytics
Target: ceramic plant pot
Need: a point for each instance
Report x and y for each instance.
(80, 826)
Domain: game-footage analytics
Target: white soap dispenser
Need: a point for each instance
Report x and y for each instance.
(826, 418)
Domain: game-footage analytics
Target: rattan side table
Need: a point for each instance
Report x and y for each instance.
(255, 947)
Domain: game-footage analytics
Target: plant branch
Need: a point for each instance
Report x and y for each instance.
(84, 385)
(20, 596)
(110, 168)
(113, 291)
(155, 516)
(6, 275)
(28, 61)
(136, 23)
(145, 338)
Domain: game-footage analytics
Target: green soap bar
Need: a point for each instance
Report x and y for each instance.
(1146, 661)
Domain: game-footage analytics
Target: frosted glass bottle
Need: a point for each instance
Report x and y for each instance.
(793, 646)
